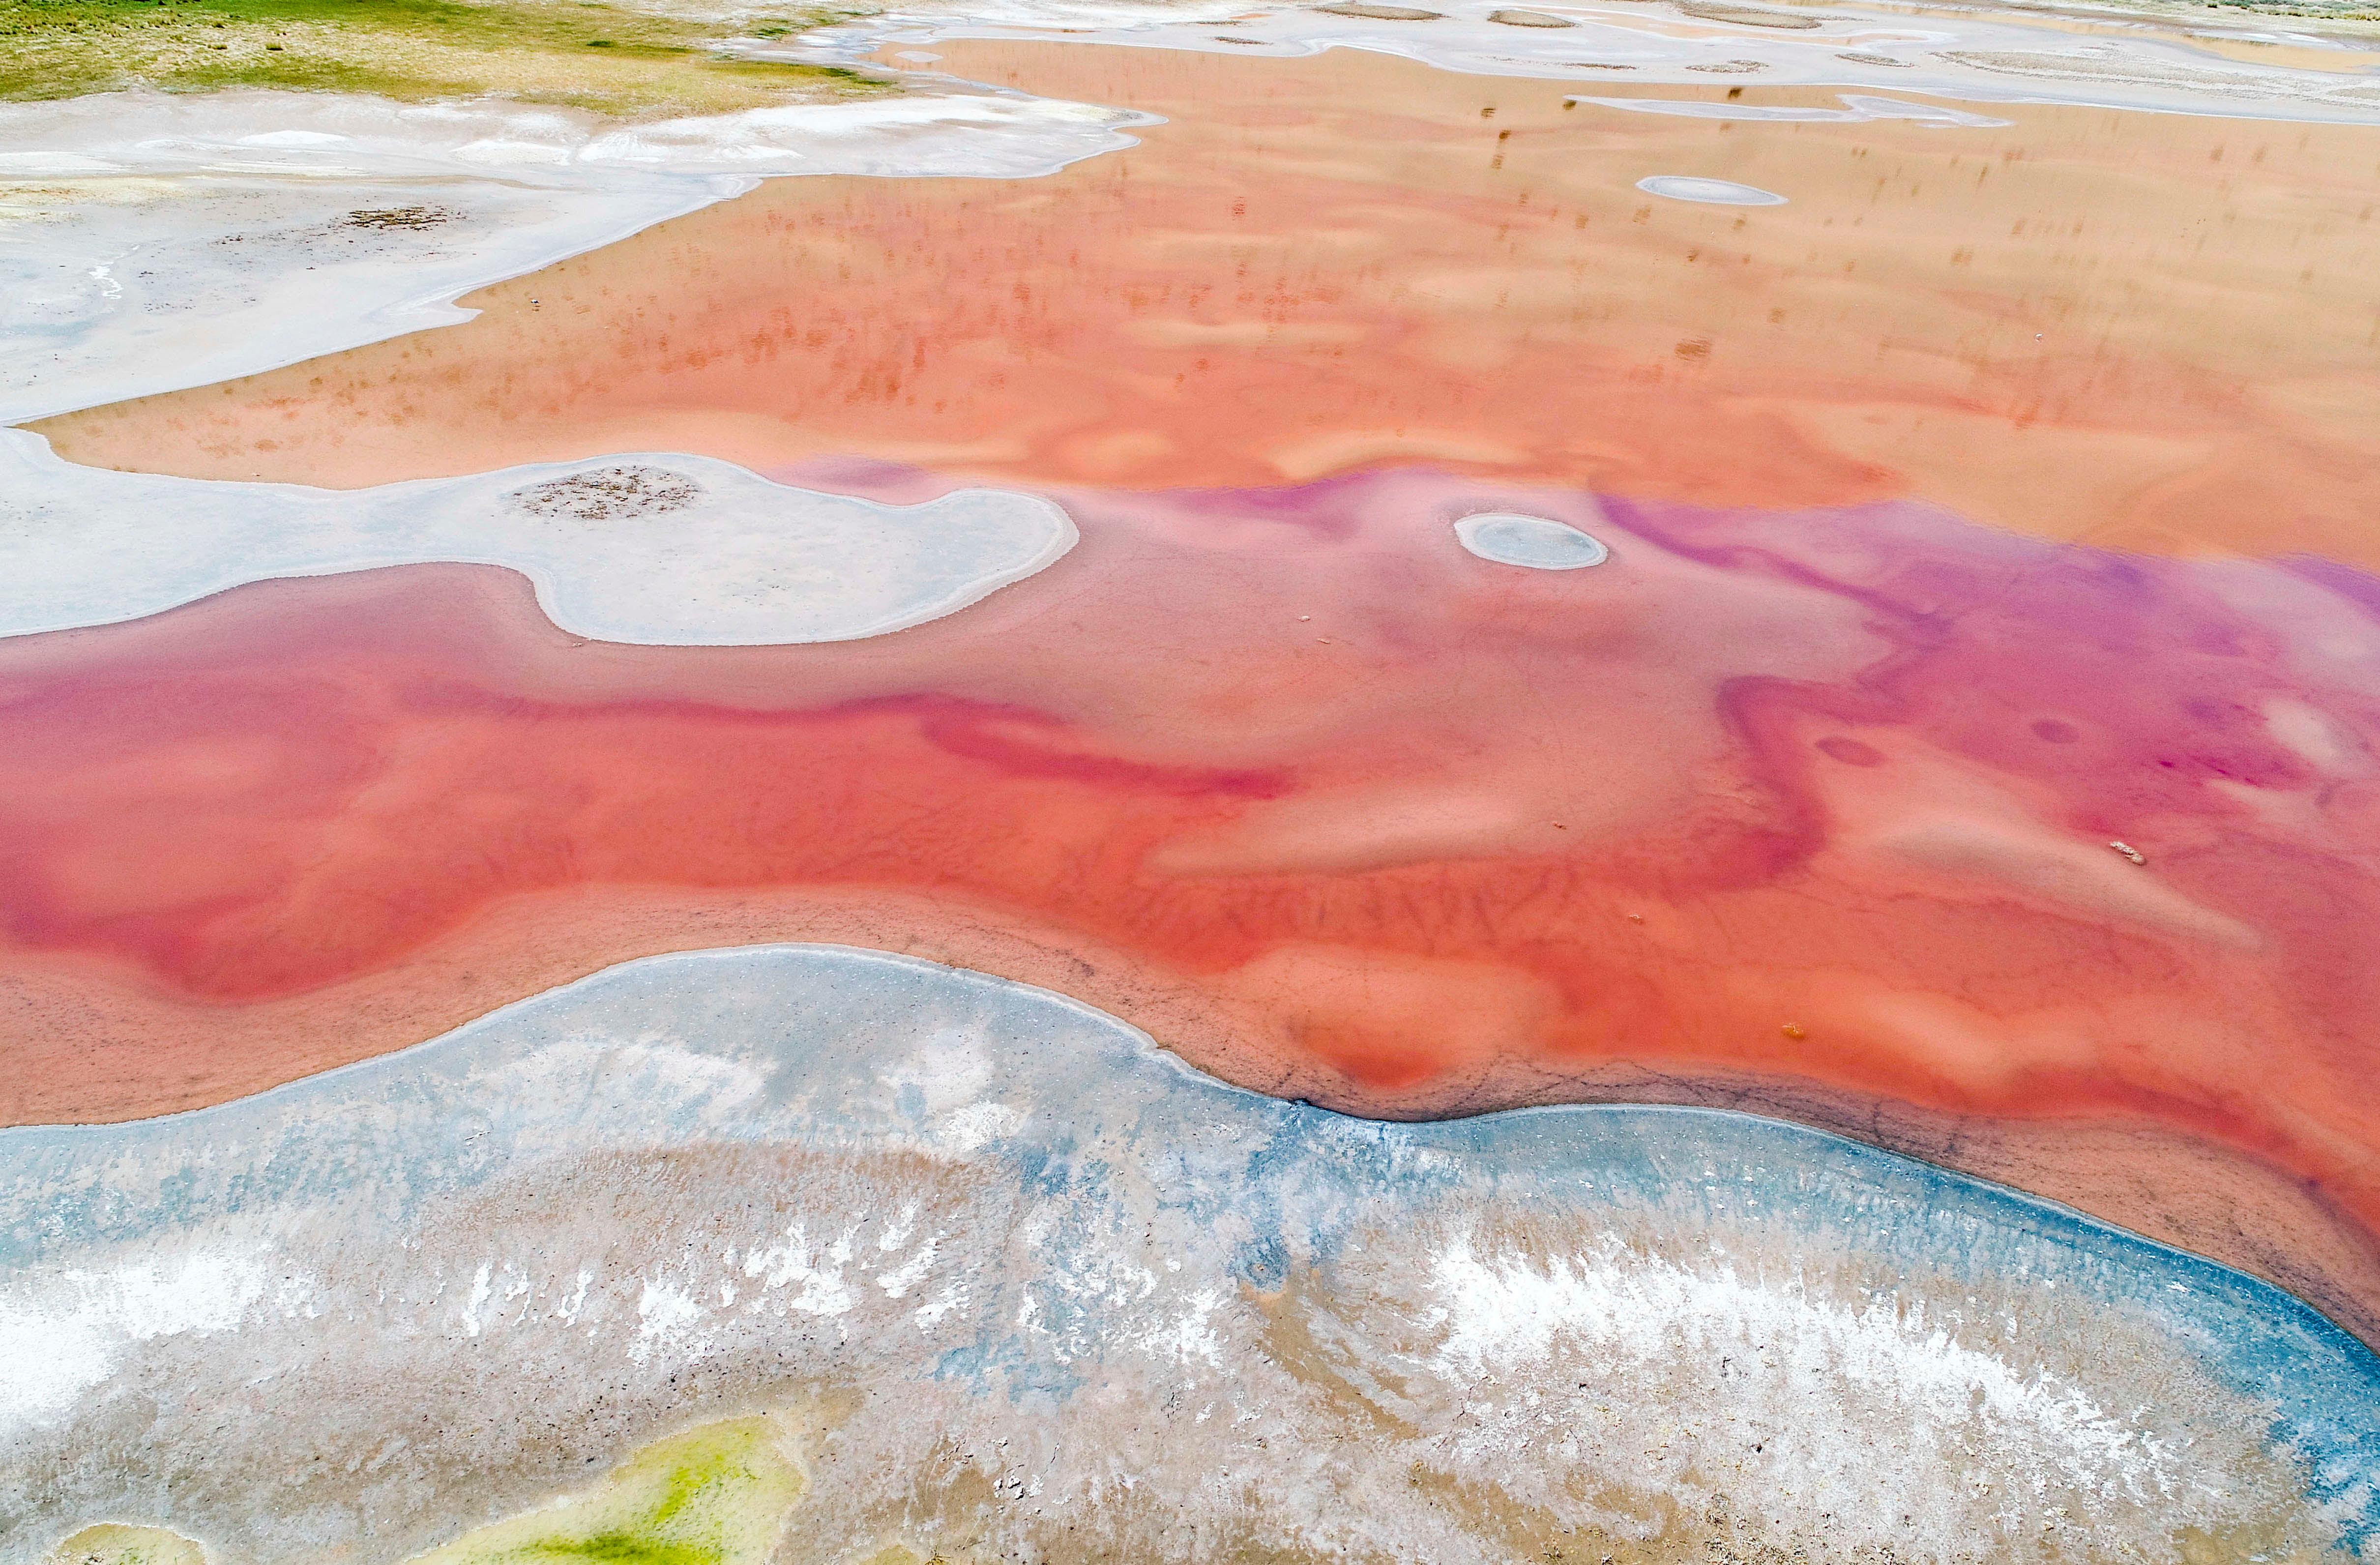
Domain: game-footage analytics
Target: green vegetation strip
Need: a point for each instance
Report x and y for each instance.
(612, 59)
(714, 1495)
(718, 1495)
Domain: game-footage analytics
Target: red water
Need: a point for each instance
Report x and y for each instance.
(1808, 807)
(2147, 329)
(1824, 797)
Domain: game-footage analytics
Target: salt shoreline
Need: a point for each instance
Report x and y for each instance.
(156, 242)
(1999, 56)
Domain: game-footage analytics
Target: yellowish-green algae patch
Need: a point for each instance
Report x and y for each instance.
(113, 1544)
(718, 1495)
(578, 53)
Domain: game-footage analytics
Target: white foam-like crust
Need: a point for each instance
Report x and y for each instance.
(150, 242)
(1988, 56)
(1538, 543)
(741, 561)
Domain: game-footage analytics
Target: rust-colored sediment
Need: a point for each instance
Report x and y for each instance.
(1806, 813)
(2152, 331)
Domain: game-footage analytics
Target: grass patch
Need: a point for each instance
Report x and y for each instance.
(612, 59)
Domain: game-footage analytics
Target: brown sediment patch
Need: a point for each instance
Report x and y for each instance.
(405, 217)
(1808, 819)
(2145, 328)
(618, 493)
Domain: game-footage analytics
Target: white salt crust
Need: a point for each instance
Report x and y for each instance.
(651, 548)
(1509, 538)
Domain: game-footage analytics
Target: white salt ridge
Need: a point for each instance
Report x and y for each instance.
(150, 242)
(1804, 1357)
(1983, 57)
(654, 548)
